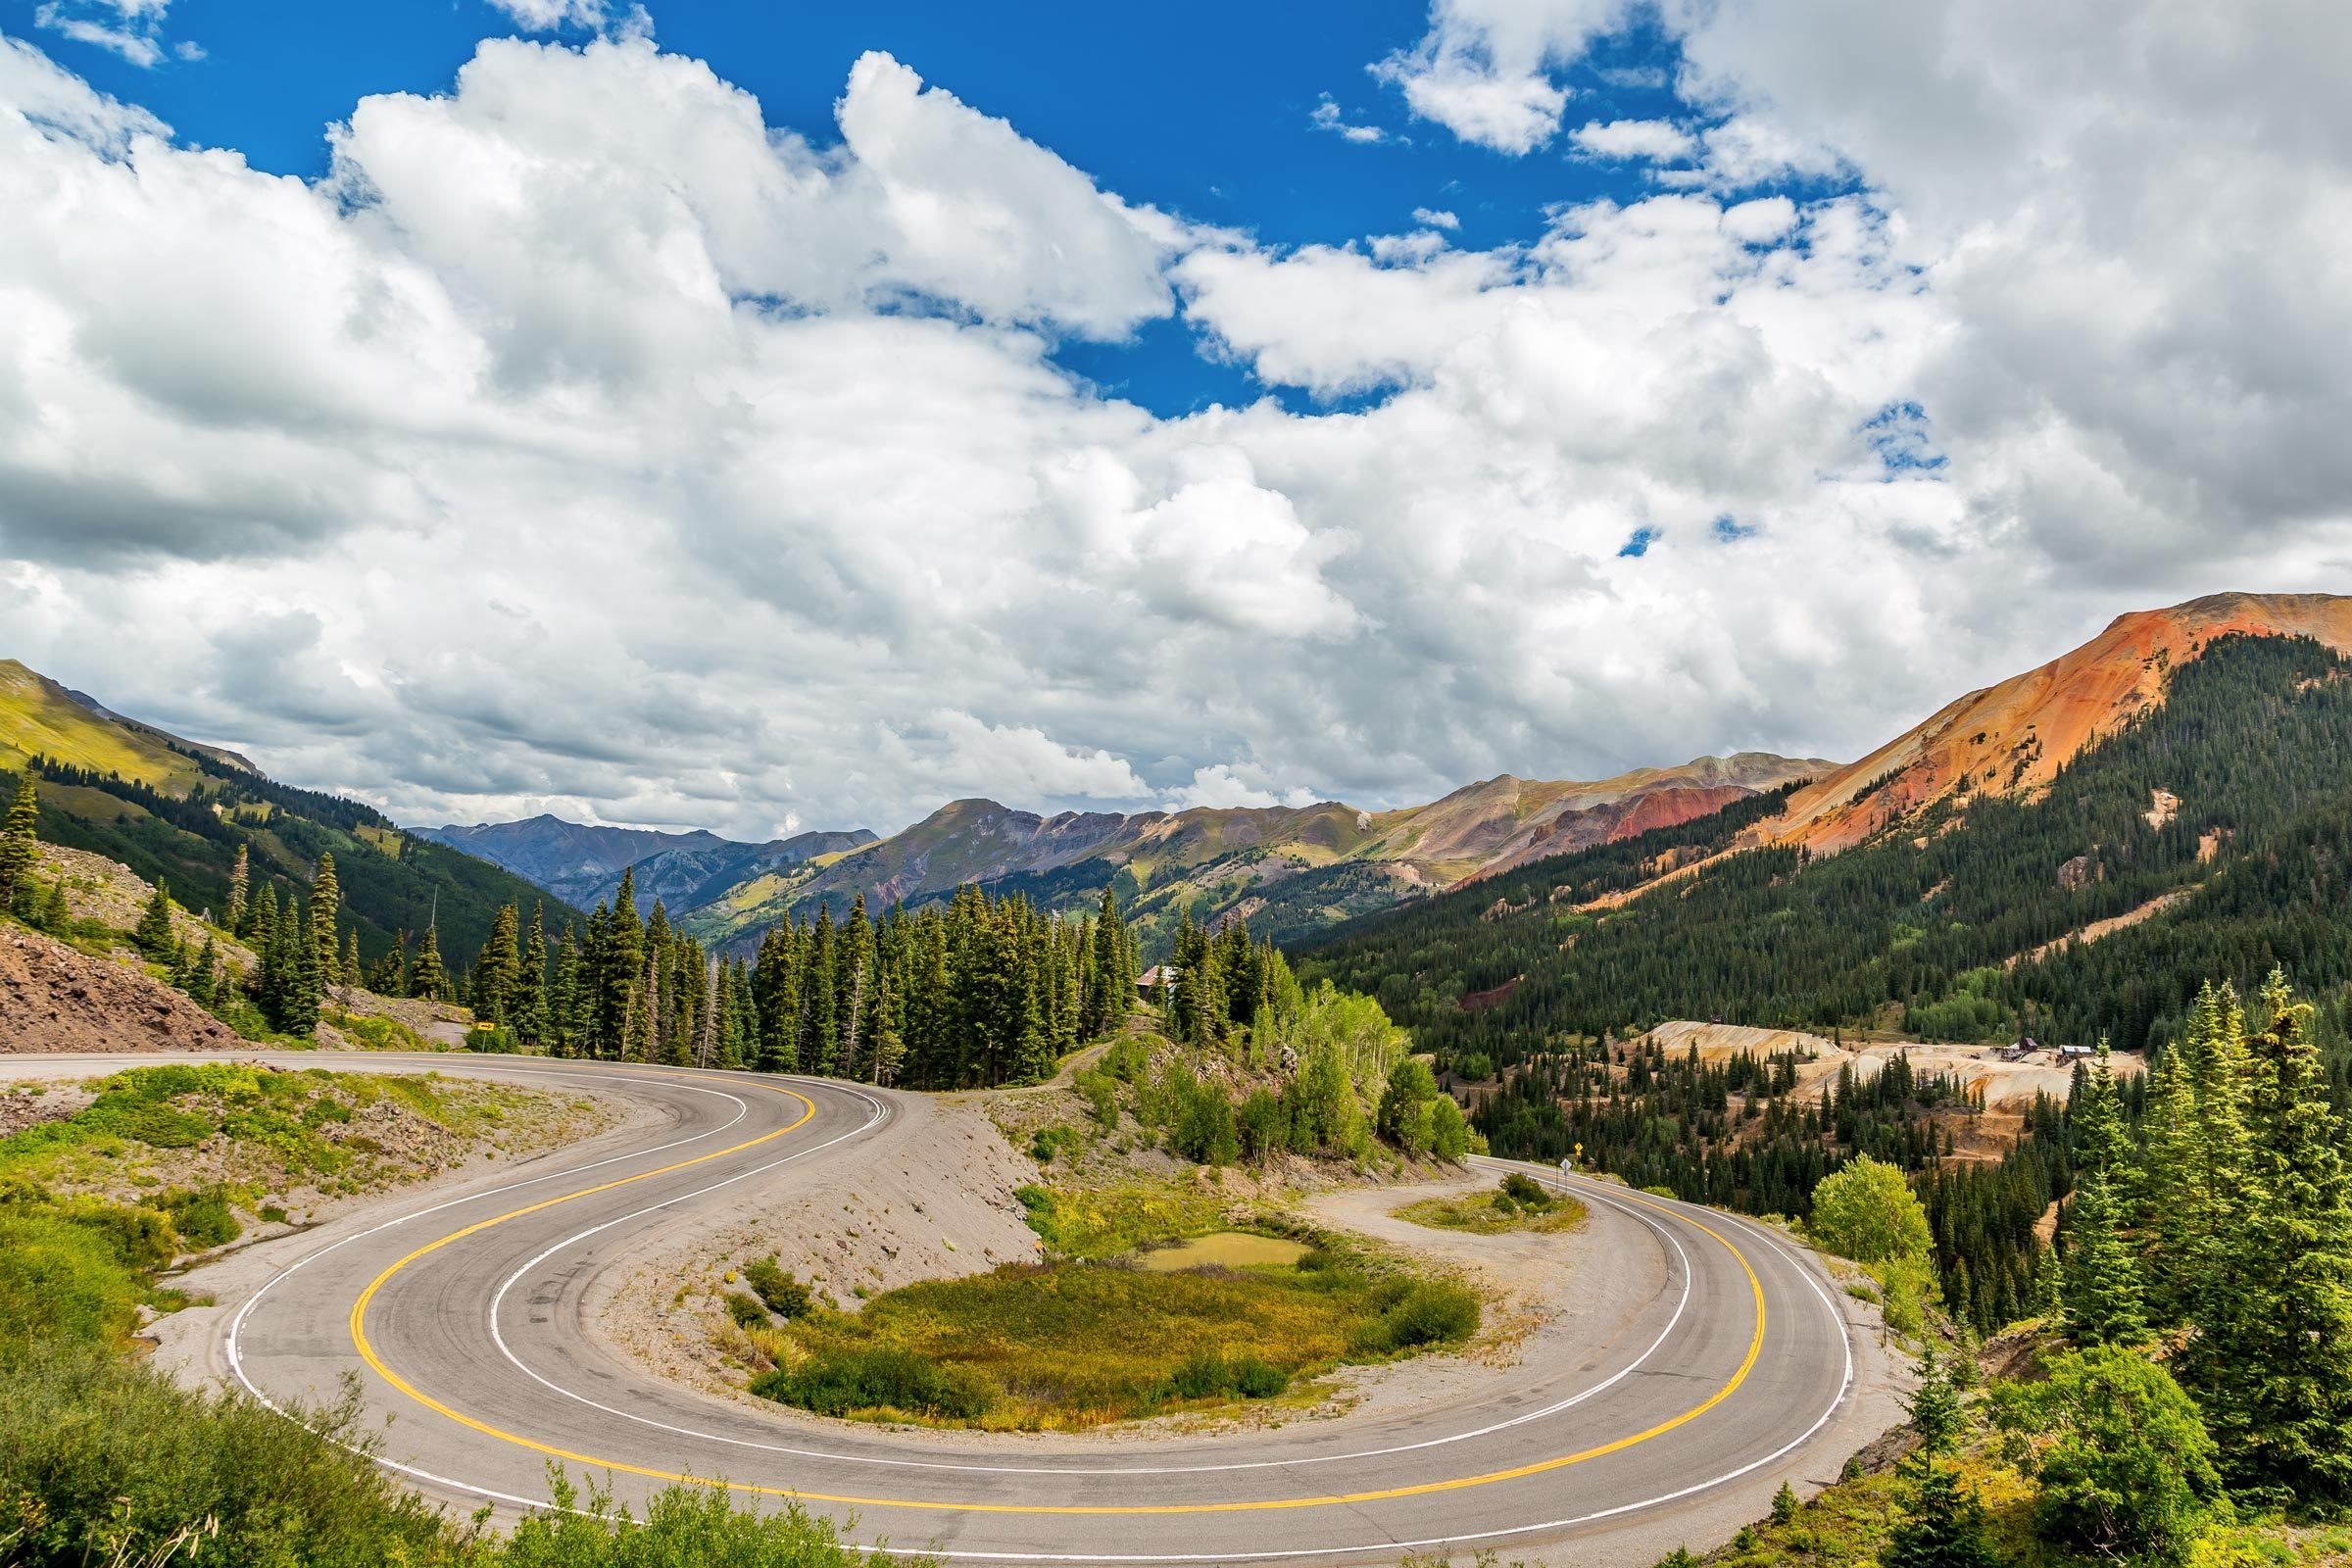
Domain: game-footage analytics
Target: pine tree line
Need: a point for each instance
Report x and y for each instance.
(2226, 1224)
(976, 993)
(1919, 927)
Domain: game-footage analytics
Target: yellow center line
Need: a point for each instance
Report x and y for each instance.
(359, 1335)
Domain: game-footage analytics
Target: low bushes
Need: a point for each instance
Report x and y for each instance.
(882, 1381)
(1069, 1344)
(1416, 1314)
(777, 1290)
(62, 1280)
(1520, 1204)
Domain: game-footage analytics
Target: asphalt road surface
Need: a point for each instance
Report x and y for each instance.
(465, 1313)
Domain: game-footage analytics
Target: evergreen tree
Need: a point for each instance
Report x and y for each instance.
(567, 1000)
(19, 836)
(496, 970)
(260, 924)
(1943, 1526)
(2103, 1302)
(390, 976)
(154, 933)
(240, 883)
(326, 908)
(56, 914)
(531, 1020)
(428, 980)
(2272, 1358)
(203, 978)
(637, 1026)
(290, 999)
(353, 974)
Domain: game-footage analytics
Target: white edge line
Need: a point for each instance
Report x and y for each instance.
(1844, 1337)
(1490, 1430)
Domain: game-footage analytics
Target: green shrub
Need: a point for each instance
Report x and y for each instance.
(1525, 1192)
(202, 1219)
(1258, 1125)
(104, 1460)
(61, 1282)
(1429, 1313)
(1050, 1142)
(745, 1311)
(2124, 1462)
(839, 1382)
(1208, 1375)
(682, 1524)
(783, 1294)
(1101, 1092)
(1867, 1211)
(1201, 1127)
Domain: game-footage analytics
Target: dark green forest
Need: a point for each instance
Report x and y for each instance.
(1913, 929)
(391, 883)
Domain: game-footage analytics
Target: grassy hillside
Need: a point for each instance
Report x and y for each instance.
(39, 719)
(2211, 837)
(179, 811)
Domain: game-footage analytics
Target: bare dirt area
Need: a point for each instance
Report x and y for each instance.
(932, 1200)
(2107, 927)
(433, 1023)
(54, 998)
(2006, 1085)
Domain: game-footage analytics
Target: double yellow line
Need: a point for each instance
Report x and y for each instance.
(367, 1353)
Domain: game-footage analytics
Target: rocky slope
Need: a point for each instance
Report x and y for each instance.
(2012, 738)
(56, 999)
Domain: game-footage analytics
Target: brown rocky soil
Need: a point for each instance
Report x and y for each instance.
(112, 894)
(2013, 738)
(54, 998)
(933, 1202)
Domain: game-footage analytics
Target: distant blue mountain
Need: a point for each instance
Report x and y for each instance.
(582, 866)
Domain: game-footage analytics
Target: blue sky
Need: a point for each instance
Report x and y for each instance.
(1084, 415)
(1210, 113)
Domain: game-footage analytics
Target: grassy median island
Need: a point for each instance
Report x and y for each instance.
(1072, 1343)
(1519, 1204)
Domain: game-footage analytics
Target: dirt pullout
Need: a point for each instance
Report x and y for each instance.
(929, 1196)
(437, 1024)
(54, 998)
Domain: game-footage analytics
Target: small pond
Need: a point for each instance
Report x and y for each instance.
(1223, 1250)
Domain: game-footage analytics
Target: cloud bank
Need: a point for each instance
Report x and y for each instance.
(586, 442)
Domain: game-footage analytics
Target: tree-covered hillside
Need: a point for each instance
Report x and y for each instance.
(2233, 797)
(391, 882)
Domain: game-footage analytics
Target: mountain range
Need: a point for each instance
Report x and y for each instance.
(2068, 854)
(168, 807)
(1289, 870)
(582, 865)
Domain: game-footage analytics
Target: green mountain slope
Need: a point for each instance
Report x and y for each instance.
(2211, 837)
(170, 808)
(1289, 870)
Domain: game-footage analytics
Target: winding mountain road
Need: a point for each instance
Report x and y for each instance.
(466, 1315)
